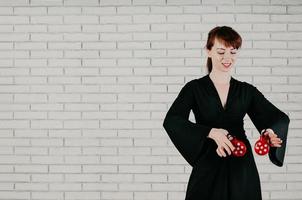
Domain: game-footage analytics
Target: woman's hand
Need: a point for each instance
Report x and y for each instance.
(273, 138)
(219, 135)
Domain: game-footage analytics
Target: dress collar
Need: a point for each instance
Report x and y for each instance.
(214, 91)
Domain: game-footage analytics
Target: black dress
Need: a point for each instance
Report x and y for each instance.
(214, 177)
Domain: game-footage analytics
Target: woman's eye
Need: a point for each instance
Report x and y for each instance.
(223, 53)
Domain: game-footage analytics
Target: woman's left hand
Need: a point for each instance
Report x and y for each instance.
(274, 140)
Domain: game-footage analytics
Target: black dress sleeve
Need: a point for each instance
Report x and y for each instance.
(265, 115)
(188, 137)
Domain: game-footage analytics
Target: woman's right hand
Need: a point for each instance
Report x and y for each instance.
(219, 135)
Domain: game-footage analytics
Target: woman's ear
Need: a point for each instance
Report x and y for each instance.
(207, 52)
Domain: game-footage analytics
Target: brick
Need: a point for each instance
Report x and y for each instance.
(30, 11)
(46, 19)
(81, 19)
(81, 3)
(14, 19)
(107, 10)
(46, 3)
(63, 10)
(210, 18)
(115, 2)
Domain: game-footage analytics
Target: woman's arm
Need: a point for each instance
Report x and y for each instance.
(265, 115)
(188, 137)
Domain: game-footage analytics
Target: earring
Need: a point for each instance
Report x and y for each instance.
(262, 145)
(240, 148)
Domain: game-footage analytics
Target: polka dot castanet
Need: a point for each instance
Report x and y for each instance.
(240, 147)
(262, 145)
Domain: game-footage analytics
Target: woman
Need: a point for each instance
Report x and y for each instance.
(219, 103)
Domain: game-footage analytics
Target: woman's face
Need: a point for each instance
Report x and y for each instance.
(223, 58)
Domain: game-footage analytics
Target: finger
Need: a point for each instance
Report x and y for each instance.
(229, 143)
(276, 140)
(225, 132)
(270, 130)
(273, 140)
(227, 148)
(276, 145)
(218, 152)
(229, 137)
(222, 151)
(270, 135)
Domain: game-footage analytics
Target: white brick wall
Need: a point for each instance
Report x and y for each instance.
(85, 86)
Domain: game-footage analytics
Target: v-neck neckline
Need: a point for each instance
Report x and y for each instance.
(217, 94)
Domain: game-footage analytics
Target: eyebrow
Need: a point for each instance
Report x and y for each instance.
(224, 49)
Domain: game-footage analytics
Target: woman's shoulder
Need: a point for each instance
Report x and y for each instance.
(246, 87)
(246, 84)
(189, 85)
(197, 82)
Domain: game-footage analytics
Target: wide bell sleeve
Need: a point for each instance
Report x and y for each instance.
(265, 115)
(188, 137)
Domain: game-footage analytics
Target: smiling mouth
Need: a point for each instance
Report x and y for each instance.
(226, 64)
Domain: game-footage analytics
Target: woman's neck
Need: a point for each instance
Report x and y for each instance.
(220, 77)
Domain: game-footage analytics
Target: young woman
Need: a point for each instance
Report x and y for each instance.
(219, 103)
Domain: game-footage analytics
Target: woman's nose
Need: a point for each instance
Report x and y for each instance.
(227, 55)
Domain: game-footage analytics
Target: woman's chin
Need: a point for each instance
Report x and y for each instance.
(227, 66)
(226, 69)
